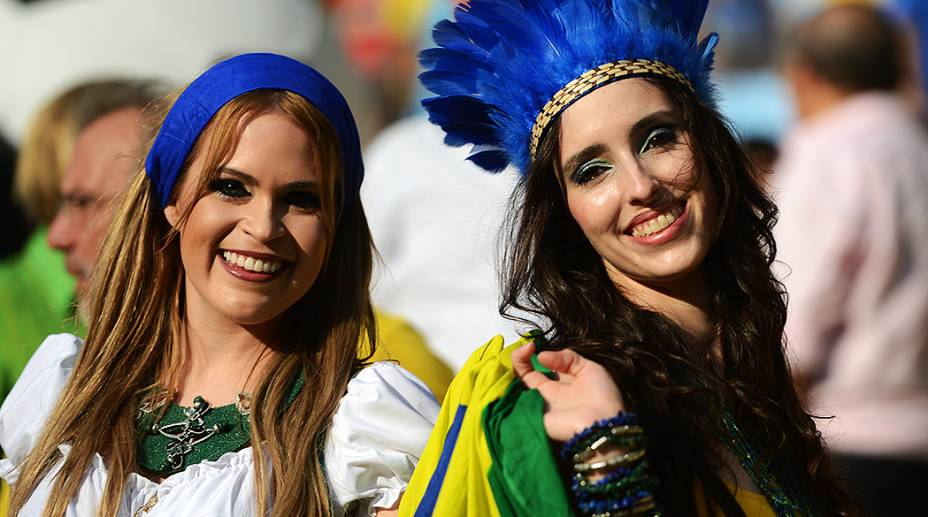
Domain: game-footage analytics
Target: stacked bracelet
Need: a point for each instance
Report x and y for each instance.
(627, 489)
(590, 434)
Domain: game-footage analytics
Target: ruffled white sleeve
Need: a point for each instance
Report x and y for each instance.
(33, 398)
(377, 436)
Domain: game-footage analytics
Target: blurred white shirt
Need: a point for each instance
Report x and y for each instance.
(48, 46)
(852, 187)
(435, 219)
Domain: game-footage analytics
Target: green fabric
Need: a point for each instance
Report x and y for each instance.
(234, 434)
(540, 367)
(524, 475)
(36, 294)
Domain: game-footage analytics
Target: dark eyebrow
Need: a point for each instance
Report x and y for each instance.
(303, 185)
(647, 122)
(250, 180)
(247, 178)
(586, 154)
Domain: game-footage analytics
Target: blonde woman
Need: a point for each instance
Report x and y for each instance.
(219, 374)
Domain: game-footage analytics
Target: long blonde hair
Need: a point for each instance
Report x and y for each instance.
(137, 319)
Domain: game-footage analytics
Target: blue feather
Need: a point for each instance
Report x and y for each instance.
(464, 122)
(449, 36)
(707, 50)
(491, 160)
(689, 15)
(500, 61)
(445, 83)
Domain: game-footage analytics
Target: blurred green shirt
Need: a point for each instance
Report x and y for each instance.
(36, 295)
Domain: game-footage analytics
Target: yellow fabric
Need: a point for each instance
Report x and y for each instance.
(4, 499)
(753, 504)
(398, 341)
(466, 491)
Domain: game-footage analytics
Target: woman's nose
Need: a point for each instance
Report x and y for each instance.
(263, 220)
(640, 184)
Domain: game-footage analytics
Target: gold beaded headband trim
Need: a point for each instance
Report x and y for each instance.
(593, 79)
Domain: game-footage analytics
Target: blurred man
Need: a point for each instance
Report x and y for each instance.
(852, 185)
(102, 119)
(36, 293)
(106, 152)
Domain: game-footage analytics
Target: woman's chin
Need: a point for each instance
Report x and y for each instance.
(250, 316)
(664, 271)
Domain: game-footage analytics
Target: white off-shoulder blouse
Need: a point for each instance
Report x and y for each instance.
(377, 435)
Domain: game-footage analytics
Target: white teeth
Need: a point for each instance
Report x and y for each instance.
(658, 223)
(251, 263)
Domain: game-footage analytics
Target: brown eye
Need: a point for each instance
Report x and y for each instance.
(589, 171)
(304, 200)
(659, 137)
(229, 188)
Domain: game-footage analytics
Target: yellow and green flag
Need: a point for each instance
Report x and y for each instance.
(463, 472)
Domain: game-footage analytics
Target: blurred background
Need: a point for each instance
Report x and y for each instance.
(434, 217)
(368, 48)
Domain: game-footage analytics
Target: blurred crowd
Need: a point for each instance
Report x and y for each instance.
(829, 98)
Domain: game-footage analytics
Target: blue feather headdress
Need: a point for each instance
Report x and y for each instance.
(500, 64)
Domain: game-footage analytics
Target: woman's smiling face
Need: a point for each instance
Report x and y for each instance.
(256, 242)
(627, 168)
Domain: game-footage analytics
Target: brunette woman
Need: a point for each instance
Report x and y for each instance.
(641, 247)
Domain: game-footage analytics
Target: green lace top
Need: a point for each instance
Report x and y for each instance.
(185, 436)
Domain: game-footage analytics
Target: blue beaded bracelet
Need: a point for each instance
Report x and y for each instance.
(599, 426)
(623, 478)
(613, 505)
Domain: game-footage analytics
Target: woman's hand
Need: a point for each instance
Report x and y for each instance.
(582, 393)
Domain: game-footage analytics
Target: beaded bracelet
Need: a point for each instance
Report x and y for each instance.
(628, 486)
(614, 461)
(634, 487)
(626, 436)
(631, 502)
(616, 480)
(645, 506)
(598, 428)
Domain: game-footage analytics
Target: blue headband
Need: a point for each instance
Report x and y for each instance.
(233, 77)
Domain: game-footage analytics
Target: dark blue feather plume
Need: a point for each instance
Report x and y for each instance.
(494, 160)
(500, 61)
(689, 15)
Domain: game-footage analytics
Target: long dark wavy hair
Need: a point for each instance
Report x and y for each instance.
(553, 274)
